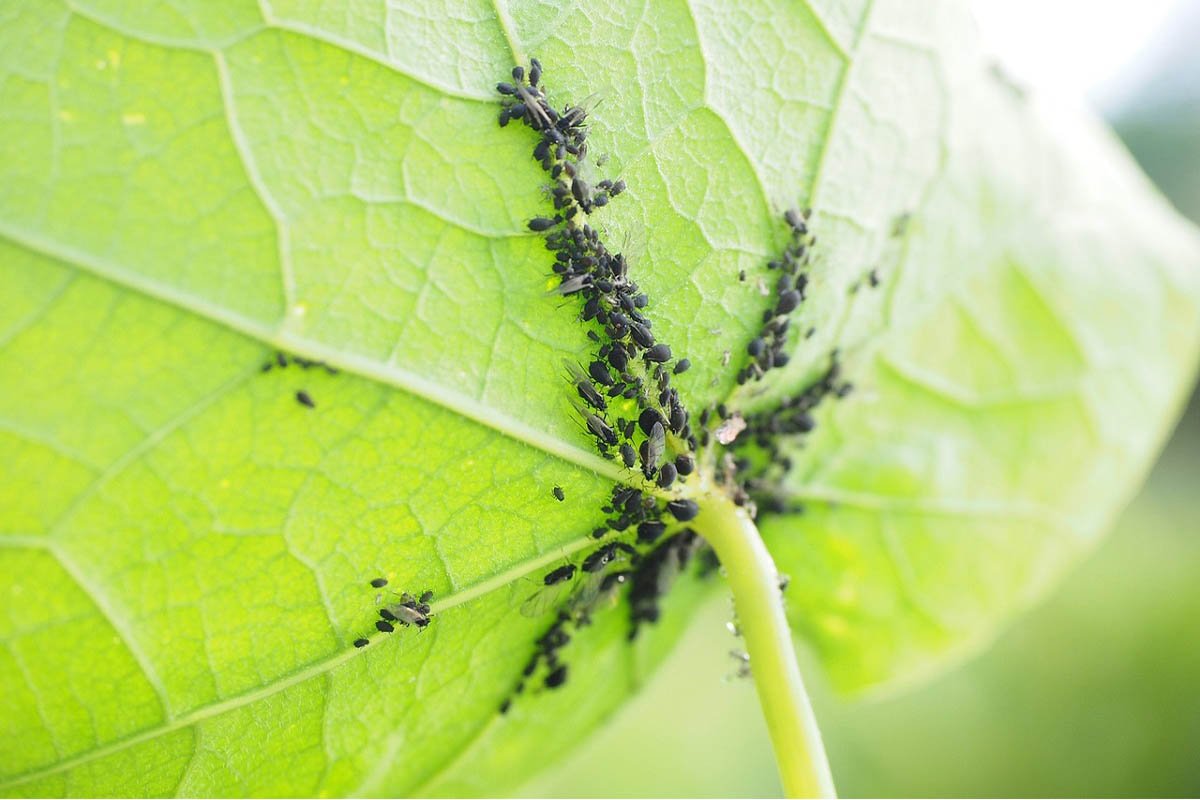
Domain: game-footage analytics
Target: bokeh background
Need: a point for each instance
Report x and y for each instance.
(1094, 693)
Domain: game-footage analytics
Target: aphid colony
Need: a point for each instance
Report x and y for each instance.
(630, 364)
(767, 350)
(576, 591)
(759, 461)
(282, 360)
(626, 402)
(631, 369)
(407, 610)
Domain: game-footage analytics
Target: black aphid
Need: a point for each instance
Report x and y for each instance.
(378, 583)
(304, 399)
(384, 626)
(648, 419)
(649, 531)
(685, 464)
(361, 642)
(558, 494)
(599, 559)
(557, 677)
(426, 596)
(559, 575)
(683, 510)
(798, 220)
(600, 374)
(666, 475)
(659, 353)
(640, 334)
(628, 456)
(788, 301)
(625, 373)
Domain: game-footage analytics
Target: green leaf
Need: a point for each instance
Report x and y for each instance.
(186, 189)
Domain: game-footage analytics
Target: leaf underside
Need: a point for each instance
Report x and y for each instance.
(186, 189)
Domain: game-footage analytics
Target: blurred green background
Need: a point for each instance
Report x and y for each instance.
(1094, 693)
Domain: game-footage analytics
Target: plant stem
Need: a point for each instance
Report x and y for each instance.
(752, 577)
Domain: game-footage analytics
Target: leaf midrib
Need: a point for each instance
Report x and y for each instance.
(279, 338)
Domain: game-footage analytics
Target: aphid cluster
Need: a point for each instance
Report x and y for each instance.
(626, 402)
(757, 471)
(407, 610)
(644, 563)
(630, 364)
(768, 350)
(282, 360)
(656, 573)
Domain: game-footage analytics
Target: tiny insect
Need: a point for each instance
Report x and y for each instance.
(558, 494)
(361, 642)
(641, 334)
(682, 366)
(648, 419)
(683, 510)
(600, 374)
(730, 428)
(585, 388)
(539, 224)
(408, 615)
(796, 219)
(788, 301)
(628, 456)
(743, 662)
(384, 626)
(649, 531)
(599, 428)
(556, 585)
(667, 475)
(378, 583)
(655, 444)
(572, 285)
(304, 399)
(559, 575)
(659, 353)
(557, 677)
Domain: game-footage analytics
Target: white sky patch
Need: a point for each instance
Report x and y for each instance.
(1078, 48)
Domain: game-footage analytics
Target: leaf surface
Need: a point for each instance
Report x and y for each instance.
(188, 189)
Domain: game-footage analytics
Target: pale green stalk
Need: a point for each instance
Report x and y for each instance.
(752, 577)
